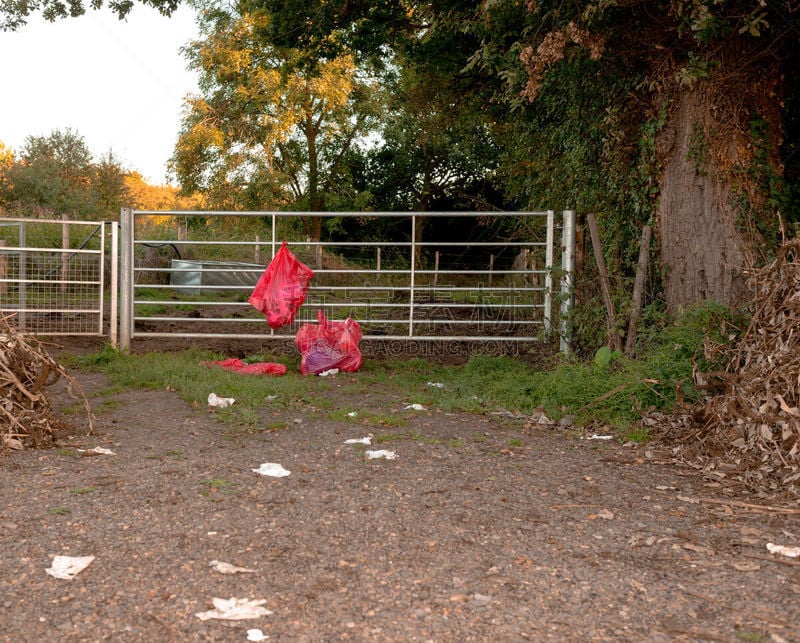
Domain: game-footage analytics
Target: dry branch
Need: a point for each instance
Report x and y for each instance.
(755, 421)
(27, 417)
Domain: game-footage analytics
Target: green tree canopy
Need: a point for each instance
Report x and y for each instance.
(259, 136)
(56, 175)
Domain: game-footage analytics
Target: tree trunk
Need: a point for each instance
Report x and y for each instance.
(702, 251)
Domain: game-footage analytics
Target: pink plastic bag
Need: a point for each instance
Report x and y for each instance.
(238, 366)
(282, 288)
(329, 345)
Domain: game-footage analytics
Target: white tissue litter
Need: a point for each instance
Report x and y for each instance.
(256, 635)
(219, 402)
(67, 567)
(98, 451)
(783, 550)
(436, 384)
(365, 440)
(272, 469)
(227, 568)
(235, 609)
(414, 407)
(330, 371)
(381, 453)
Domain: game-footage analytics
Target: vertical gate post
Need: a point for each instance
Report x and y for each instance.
(126, 279)
(548, 274)
(413, 273)
(114, 321)
(22, 315)
(567, 277)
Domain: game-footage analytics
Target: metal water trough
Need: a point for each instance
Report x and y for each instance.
(197, 277)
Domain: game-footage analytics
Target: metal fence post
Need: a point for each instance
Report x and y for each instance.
(22, 315)
(567, 278)
(548, 275)
(413, 272)
(126, 279)
(114, 314)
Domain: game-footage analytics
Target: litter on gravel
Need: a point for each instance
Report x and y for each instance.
(414, 407)
(227, 568)
(67, 567)
(219, 402)
(97, 451)
(365, 440)
(256, 635)
(783, 550)
(272, 469)
(235, 609)
(381, 453)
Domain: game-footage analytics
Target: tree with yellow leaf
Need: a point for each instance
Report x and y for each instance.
(264, 134)
(6, 163)
(144, 196)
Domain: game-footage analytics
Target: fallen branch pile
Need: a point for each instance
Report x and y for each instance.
(26, 369)
(755, 421)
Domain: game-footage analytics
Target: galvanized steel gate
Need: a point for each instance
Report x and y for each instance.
(190, 274)
(53, 276)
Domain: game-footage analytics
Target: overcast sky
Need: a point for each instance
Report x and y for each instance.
(120, 85)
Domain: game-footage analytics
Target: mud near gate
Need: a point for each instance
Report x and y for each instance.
(481, 528)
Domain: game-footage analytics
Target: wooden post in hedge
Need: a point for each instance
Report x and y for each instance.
(611, 322)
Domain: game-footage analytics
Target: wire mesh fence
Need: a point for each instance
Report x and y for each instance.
(52, 275)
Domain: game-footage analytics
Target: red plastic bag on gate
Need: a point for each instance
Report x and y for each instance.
(329, 345)
(282, 288)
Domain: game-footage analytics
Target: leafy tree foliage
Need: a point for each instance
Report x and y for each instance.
(143, 196)
(56, 175)
(15, 13)
(260, 136)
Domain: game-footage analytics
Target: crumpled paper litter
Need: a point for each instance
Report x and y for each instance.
(227, 568)
(235, 609)
(67, 567)
(381, 453)
(783, 550)
(220, 402)
(98, 451)
(272, 469)
(365, 440)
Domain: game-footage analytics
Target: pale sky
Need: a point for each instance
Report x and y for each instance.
(119, 84)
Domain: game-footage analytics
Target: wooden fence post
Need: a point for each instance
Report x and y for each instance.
(613, 337)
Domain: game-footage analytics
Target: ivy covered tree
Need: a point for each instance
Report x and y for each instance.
(673, 114)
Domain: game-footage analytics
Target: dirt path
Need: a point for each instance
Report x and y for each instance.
(481, 529)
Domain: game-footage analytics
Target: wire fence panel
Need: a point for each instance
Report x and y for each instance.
(52, 275)
(424, 276)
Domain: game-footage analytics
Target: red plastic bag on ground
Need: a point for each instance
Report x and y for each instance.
(259, 368)
(329, 345)
(282, 288)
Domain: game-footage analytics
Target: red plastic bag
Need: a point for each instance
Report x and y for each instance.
(259, 368)
(282, 288)
(329, 345)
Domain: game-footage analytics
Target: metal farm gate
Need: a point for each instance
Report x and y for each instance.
(53, 276)
(490, 278)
